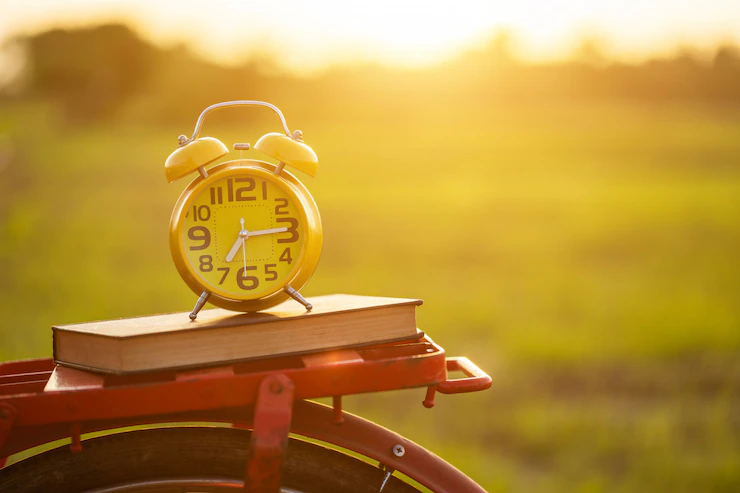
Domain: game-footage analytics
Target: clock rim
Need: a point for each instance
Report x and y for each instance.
(310, 252)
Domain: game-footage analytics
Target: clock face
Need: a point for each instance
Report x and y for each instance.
(243, 234)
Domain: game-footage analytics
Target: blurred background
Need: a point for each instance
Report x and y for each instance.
(559, 181)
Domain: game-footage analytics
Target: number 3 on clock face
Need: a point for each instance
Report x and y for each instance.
(245, 235)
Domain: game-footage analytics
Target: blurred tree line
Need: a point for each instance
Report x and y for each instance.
(98, 72)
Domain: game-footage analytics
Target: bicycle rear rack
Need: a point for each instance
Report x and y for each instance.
(41, 402)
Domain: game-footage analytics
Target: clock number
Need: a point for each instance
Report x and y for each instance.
(204, 236)
(240, 191)
(285, 256)
(292, 229)
(264, 190)
(281, 204)
(272, 273)
(206, 263)
(246, 282)
(202, 213)
(217, 195)
(240, 197)
(226, 273)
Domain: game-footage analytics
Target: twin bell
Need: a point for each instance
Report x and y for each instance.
(195, 154)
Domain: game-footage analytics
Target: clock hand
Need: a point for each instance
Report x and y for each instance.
(243, 235)
(267, 231)
(244, 251)
(238, 243)
(232, 253)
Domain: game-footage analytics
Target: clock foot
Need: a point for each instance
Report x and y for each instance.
(199, 304)
(297, 296)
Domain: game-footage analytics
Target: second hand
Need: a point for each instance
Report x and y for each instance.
(244, 249)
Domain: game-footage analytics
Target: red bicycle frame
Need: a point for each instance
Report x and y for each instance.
(41, 402)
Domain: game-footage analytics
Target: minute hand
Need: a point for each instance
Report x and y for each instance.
(267, 231)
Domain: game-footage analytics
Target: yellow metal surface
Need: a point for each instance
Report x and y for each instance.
(213, 207)
(190, 157)
(289, 151)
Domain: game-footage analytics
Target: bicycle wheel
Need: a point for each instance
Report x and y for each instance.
(197, 459)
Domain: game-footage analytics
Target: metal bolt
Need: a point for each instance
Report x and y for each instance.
(276, 387)
(298, 135)
(398, 450)
(181, 140)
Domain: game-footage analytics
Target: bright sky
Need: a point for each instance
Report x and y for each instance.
(314, 33)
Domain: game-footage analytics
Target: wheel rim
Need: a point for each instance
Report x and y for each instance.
(180, 485)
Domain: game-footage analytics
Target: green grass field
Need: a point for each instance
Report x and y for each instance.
(587, 256)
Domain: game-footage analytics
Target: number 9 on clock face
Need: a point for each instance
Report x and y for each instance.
(245, 234)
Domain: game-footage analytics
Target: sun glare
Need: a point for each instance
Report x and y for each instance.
(310, 35)
(305, 36)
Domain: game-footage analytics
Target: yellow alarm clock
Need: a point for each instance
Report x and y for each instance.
(245, 234)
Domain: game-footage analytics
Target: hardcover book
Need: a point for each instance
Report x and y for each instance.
(219, 336)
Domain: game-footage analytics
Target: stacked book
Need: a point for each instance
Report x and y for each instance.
(219, 336)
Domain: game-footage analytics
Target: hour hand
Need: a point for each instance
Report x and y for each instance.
(234, 249)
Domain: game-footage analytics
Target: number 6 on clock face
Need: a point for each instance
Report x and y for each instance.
(246, 235)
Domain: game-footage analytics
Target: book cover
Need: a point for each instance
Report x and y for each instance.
(218, 336)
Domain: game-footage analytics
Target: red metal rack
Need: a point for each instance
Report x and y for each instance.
(41, 402)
